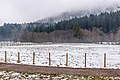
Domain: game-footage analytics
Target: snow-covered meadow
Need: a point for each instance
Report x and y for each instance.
(76, 54)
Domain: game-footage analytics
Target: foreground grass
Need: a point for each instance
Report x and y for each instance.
(11, 75)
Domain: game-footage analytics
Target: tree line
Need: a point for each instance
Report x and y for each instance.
(90, 28)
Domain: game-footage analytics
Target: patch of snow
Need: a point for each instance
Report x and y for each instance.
(76, 54)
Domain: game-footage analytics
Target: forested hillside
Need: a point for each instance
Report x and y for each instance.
(107, 22)
(10, 31)
(90, 28)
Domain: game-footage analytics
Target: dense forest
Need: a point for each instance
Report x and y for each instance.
(90, 28)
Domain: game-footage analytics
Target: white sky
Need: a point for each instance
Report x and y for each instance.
(31, 10)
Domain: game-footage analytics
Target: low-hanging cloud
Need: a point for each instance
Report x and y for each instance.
(15, 11)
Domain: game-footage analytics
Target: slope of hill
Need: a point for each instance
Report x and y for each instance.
(80, 13)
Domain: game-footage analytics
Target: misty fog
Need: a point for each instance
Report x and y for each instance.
(16, 11)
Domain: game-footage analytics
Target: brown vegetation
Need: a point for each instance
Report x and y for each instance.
(55, 36)
(81, 35)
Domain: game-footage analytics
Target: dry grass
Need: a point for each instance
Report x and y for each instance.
(11, 75)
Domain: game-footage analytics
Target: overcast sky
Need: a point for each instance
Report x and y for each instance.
(31, 10)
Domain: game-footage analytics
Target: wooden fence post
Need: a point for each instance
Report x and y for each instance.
(104, 59)
(5, 56)
(85, 59)
(66, 59)
(18, 57)
(33, 57)
(49, 60)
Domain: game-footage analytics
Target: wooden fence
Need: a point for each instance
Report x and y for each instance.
(49, 59)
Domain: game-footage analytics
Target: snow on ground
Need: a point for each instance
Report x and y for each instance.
(11, 75)
(76, 53)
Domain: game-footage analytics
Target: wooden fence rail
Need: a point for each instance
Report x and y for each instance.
(104, 59)
(5, 56)
(49, 59)
(33, 57)
(85, 59)
(66, 59)
(18, 57)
